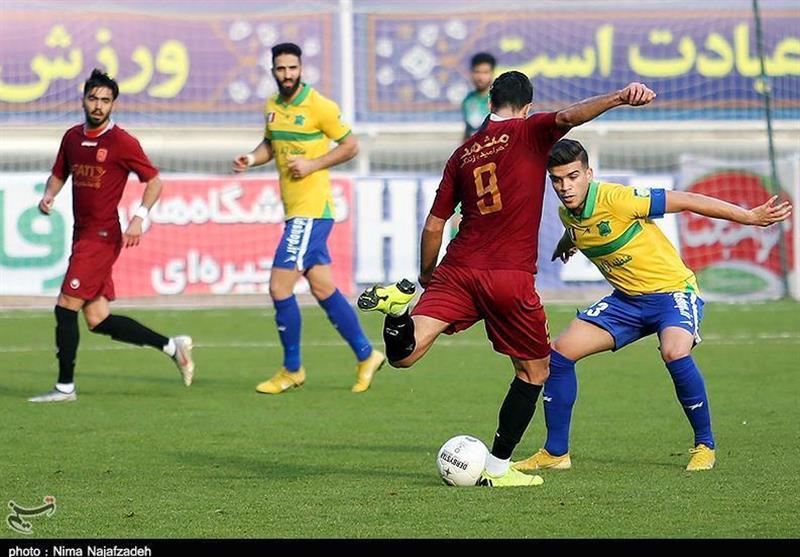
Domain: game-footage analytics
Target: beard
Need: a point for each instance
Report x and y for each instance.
(288, 90)
(95, 120)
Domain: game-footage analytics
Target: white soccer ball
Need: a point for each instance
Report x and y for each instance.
(461, 460)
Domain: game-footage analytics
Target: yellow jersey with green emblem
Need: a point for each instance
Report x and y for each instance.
(615, 231)
(304, 128)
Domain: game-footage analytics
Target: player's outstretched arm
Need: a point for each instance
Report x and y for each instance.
(54, 186)
(258, 156)
(429, 250)
(764, 215)
(634, 94)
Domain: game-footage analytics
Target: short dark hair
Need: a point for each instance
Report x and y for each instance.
(100, 78)
(286, 48)
(565, 152)
(512, 89)
(482, 58)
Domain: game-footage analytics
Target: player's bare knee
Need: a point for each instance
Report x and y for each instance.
(322, 292)
(279, 292)
(535, 372)
(672, 353)
(93, 320)
(567, 349)
(68, 302)
(539, 376)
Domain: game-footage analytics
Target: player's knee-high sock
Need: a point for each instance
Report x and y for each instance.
(558, 398)
(125, 329)
(398, 335)
(345, 320)
(67, 337)
(287, 317)
(515, 415)
(691, 391)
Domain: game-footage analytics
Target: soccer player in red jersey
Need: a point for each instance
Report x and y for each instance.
(498, 176)
(99, 155)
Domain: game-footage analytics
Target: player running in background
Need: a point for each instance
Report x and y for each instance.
(99, 155)
(488, 273)
(475, 106)
(475, 109)
(654, 292)
(300, 124)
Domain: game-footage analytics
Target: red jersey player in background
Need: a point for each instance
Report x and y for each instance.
(498, 176)
(99, 155)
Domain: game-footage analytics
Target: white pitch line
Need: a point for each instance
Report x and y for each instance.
(785, 337)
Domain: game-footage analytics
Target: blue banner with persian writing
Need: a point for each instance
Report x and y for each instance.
(702, 64)
(171, 68)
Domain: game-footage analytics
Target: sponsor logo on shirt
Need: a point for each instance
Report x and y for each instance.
(87, 175)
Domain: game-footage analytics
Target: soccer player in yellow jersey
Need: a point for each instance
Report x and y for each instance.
(654, 292)
(300, 124)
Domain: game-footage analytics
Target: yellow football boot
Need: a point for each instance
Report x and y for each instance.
(367, 370)
(542, 460)
(282, 381)
(391, 300)
(512, 478)
(703, 458)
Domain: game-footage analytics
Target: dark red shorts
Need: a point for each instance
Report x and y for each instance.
(506, 300)
(89, 272)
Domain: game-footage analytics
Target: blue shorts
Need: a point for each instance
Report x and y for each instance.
(629, 318)
(304, 244)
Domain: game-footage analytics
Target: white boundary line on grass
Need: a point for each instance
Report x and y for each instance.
(785, 337)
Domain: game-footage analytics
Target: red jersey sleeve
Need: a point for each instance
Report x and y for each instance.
(542, 132)
(445, 201)
(61, 167)
(137, 162)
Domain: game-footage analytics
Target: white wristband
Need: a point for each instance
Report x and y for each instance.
(141, 212)
(251, 159)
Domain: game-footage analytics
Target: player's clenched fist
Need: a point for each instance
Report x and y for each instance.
(637, 94)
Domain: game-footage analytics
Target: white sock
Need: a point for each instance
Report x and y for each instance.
(65, 388)
(169, 348)
(496, 466)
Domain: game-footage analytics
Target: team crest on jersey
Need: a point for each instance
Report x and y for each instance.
(299, 120)
(604, 228)
(75, 284)
(101, 155)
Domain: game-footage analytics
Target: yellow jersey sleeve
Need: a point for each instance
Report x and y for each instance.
(329, 120)
(629, 203)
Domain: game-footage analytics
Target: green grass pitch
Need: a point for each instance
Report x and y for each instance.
(139, 455)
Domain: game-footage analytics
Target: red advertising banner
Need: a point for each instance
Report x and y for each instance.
(734, 261)
(211, 235)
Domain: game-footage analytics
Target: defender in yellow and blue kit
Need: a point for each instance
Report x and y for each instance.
(654, 292)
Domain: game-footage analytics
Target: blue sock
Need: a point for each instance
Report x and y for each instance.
(691, 391)
(341, 314)
(559, 395)
(287, 317)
